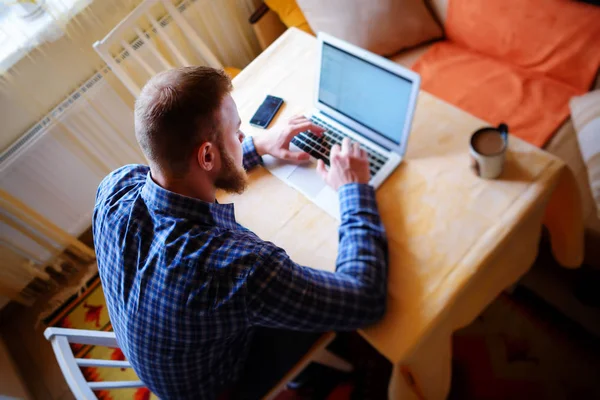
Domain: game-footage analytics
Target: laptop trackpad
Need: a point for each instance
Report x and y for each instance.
(305, 178)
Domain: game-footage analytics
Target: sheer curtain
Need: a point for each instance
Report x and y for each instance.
(36, 254)
(48, 69)
(25, 25)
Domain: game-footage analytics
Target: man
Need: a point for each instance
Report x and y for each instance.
(190, 292)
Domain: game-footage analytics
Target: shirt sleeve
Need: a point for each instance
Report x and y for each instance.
(282, 294)
(250, 157)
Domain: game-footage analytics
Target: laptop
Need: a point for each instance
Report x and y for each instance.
(359, 95)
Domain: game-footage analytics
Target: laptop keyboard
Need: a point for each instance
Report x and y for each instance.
(319, 147)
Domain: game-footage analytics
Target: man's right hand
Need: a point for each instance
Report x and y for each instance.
(347, 165)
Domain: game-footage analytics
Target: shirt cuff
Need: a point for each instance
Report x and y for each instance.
(357, 197)
(251, 157)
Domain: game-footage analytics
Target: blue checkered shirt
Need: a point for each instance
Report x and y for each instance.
(185, 283)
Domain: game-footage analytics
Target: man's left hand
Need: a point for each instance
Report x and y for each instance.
(276, 141)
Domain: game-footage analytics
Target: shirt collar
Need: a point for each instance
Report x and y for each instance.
(166, 202)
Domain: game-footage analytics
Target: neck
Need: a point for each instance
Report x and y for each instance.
(198, 188)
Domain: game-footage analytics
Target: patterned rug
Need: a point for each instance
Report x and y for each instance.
(88, 311)
(519, 348)
(512, 351)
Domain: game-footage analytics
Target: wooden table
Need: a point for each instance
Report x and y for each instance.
(455, 241)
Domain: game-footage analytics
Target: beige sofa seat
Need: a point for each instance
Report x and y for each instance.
(564, 145)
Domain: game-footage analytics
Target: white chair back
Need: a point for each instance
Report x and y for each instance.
(70, 366)
(83, 390)
(155, 25)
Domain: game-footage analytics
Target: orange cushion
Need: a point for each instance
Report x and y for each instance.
(532, 104)
(232, 72)
(290, 14)
(559, 38)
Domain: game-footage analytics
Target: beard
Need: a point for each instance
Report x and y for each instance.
(231, 178)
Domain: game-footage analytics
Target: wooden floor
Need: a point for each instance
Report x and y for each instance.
(33, 354)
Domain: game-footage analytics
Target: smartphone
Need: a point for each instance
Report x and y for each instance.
(266, 112)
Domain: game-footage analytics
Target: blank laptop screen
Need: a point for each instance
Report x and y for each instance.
(364, 92)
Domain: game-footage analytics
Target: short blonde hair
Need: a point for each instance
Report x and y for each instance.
(176, 112)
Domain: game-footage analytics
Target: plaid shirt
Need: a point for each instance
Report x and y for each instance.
(185, 283)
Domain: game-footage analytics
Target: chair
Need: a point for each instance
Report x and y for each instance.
(60, 338)
(145, 48)
(318, 353)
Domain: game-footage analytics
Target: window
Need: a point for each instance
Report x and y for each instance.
(26, 24)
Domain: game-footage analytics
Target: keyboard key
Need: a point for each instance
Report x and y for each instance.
(319, 147)
(304, 145)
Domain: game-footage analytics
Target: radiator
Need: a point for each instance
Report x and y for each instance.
(56, 166)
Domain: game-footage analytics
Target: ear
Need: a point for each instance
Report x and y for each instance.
(207, 156)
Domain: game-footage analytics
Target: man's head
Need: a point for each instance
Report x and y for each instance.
(187, 125)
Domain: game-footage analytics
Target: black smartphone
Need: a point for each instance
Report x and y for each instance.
(265, 113)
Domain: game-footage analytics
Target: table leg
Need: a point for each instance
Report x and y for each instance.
(427, 374)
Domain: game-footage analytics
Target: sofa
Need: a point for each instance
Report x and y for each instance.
(268, 26)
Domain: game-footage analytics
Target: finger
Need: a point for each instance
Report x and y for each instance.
(298, 118)
(346, 146)
(321, 170)
(356, 149)
(335, 150)
(305, 126)
(300, 126)
(316, 129)
(363, 153)
(294, 156)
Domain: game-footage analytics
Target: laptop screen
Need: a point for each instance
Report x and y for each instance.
(364, 92)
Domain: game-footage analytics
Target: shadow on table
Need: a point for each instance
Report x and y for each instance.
(514, 170)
